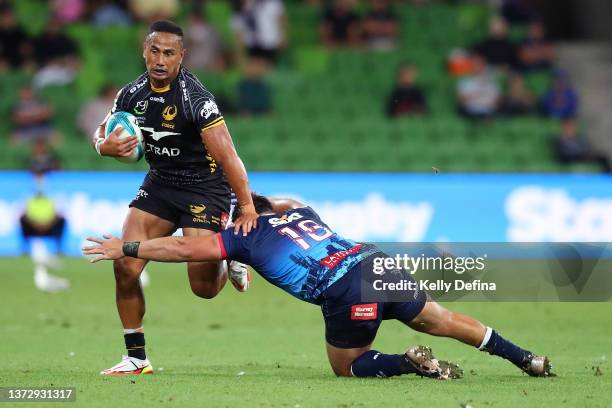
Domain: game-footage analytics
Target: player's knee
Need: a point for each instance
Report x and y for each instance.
(206, 279)
(342, 370)
(127, 273)
(205, 290)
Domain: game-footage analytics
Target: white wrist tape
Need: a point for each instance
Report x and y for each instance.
(98, 144)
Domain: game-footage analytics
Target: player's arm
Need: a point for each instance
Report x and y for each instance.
(219, 144)
(112, 145)
(166, 249)
(280, 205)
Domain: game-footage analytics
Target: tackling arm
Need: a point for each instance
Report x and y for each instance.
(181, 249)
(166, 249)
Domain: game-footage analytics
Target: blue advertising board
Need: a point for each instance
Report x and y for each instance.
(372, 207)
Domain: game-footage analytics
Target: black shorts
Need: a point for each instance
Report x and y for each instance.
(350, 322)
(189, 206)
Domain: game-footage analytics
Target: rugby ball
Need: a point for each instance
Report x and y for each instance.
(128, 122)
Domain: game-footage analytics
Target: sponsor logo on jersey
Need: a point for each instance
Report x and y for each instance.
(169, 112)
(184, 89)
(331, 261)
(159, 99)
(208, 109)
(141, 107)
(364, 312)
(163, 151)
(197, 208)
(155, 135)
(285, 219)
(138, 85)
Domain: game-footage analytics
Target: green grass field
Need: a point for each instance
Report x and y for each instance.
(264, 348)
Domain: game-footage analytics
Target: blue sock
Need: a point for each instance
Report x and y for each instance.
(375, 364)
(503, 348)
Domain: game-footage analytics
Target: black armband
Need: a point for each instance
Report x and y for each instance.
(130, 248)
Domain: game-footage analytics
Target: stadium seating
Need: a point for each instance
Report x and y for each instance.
(329, 105)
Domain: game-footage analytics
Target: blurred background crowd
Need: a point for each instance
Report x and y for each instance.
(339, 85)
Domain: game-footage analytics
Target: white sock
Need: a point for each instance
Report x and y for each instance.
(486, 339)
(40, 271)
(131, 331)
(39, 251)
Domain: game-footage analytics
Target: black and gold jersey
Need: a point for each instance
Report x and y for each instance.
(171, 120)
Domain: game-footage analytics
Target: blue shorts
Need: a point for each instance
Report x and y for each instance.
(350, 322)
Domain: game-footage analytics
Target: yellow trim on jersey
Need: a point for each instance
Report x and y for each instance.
(214, 123)
(160, 90)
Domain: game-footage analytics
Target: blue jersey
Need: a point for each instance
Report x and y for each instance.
(295, 251)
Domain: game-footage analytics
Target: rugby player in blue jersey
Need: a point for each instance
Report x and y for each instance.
(295, 250)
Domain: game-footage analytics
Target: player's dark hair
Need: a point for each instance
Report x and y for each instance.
(261, 203)
(165, 26)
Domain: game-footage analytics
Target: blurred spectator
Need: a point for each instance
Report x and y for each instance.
(41, 218)
(459, 62)
(95, 110)
(15, 44)
(406, 98)
(110, 13)
(561, 100)
(261, 28)
(203, 44)
(340, 25)
(536, 52)
(570, 147)
(253, 92)
(478, 94)
(380, 26)
(54, 45)
(68, 11)
(150, 10)
(56, 55)
(31, 118)
(518, 100)
(42, 228)
(497, 49)
(43, 158)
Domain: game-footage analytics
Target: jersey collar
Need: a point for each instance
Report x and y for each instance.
(159, 90)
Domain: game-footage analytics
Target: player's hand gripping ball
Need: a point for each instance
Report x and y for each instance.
(128, 122)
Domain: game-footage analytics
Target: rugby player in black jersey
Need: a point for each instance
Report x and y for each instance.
(193, 164)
